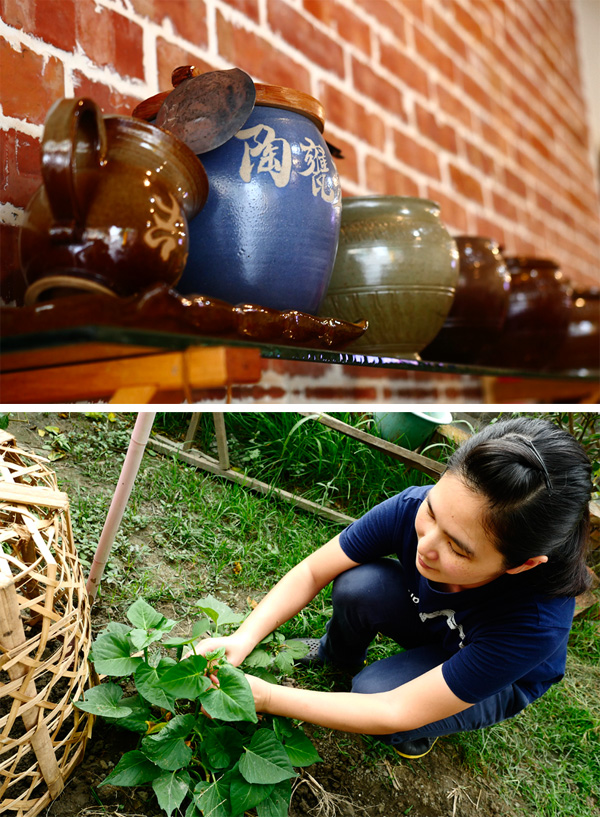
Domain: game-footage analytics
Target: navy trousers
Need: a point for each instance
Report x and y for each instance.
(372, 598)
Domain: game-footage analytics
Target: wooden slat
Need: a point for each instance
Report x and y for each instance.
(207, 463)
(195, 368)
(19, 493)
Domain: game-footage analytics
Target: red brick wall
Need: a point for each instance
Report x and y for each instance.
(475, 103)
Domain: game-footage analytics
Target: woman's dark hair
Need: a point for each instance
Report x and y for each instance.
(537, 482)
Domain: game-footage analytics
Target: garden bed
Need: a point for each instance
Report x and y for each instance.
(158, 556)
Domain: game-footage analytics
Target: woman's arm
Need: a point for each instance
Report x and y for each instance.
(423, 700)
(290, 595)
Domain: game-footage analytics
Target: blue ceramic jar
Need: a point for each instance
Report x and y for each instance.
(269, 231)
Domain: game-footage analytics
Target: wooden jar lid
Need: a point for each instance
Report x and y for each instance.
(269, 96)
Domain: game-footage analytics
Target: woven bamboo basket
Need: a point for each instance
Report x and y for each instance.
(45, 636)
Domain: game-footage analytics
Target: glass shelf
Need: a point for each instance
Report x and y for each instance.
(25, 347)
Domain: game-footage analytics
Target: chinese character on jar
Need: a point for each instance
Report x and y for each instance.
(274, 155)
(318, 170)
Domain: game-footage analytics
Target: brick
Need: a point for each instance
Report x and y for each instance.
(344, 112)
(35, 83)
(404, 68)
(307, 38)
(18, 14)
(348, 166)
(388, 181)
(433, 54)
(169, 56)
(504, 207)
(343, 21)
(373, 85)
(446, 32)
(465, 183)
(453, 215)
(429, 126)
(110, 100)
(188, 18)
(490, 229)
(259, 58)
(453, 106)
(296, 368)
(479, 158)
(386, 13)
(416, 155)
(515, 183)
(110, 39)
(21, 167)
(55, 23)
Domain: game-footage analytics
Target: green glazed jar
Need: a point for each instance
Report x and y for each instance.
(396, 266)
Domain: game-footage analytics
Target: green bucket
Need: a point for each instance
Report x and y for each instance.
(409, 429)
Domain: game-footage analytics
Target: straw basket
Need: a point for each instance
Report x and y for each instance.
(44, 636)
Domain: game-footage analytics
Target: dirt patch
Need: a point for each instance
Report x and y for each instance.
(353, 780)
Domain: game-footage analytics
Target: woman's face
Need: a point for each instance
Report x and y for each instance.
(453, 548)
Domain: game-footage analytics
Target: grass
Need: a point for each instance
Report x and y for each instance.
(186, 533)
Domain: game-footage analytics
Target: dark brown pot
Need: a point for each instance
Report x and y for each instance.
(480, 304)
(539, 312)
(581, 349)
(112, 214)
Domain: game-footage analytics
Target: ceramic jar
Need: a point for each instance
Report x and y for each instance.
(396, 266)
(581, 348)
(539, 312)
(268, 234)
(112, 213)
(480, 304)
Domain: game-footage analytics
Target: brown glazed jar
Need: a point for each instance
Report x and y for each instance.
(581, 349)
(480, 304)
(539, 312)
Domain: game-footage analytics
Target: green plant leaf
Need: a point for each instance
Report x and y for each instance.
(297, 648)
(218, 611)
(277, 804)
(168, 748)
(284, 661)
(133, 769)
(104, 700)
(143, 616)
(171, 789)
(111, 654)
(266, 760)
(232, 700)
(259, 672)
(186, 679)
(222, 746)
(257, 658)
(300, 749)
(244, 795)
(139, 718)
(148, 681)
(213, 798)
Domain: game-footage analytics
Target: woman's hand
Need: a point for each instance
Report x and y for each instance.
(261, 690)
(236, 648)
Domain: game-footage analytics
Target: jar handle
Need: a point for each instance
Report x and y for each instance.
(70, 125)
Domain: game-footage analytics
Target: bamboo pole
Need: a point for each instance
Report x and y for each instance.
(133, 458)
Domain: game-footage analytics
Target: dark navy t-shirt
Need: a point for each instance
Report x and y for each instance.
(499, 634)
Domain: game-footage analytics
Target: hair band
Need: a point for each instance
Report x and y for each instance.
(539, 458)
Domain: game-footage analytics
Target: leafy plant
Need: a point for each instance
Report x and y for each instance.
(201, 746)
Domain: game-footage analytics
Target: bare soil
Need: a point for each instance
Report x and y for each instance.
(348, 783)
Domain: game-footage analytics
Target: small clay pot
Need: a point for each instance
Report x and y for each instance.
(396, 266)
(539, 312)
(480, 305)
(112, 213)
(581, 348)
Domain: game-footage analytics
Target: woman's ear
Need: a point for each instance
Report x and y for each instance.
(534, 561)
